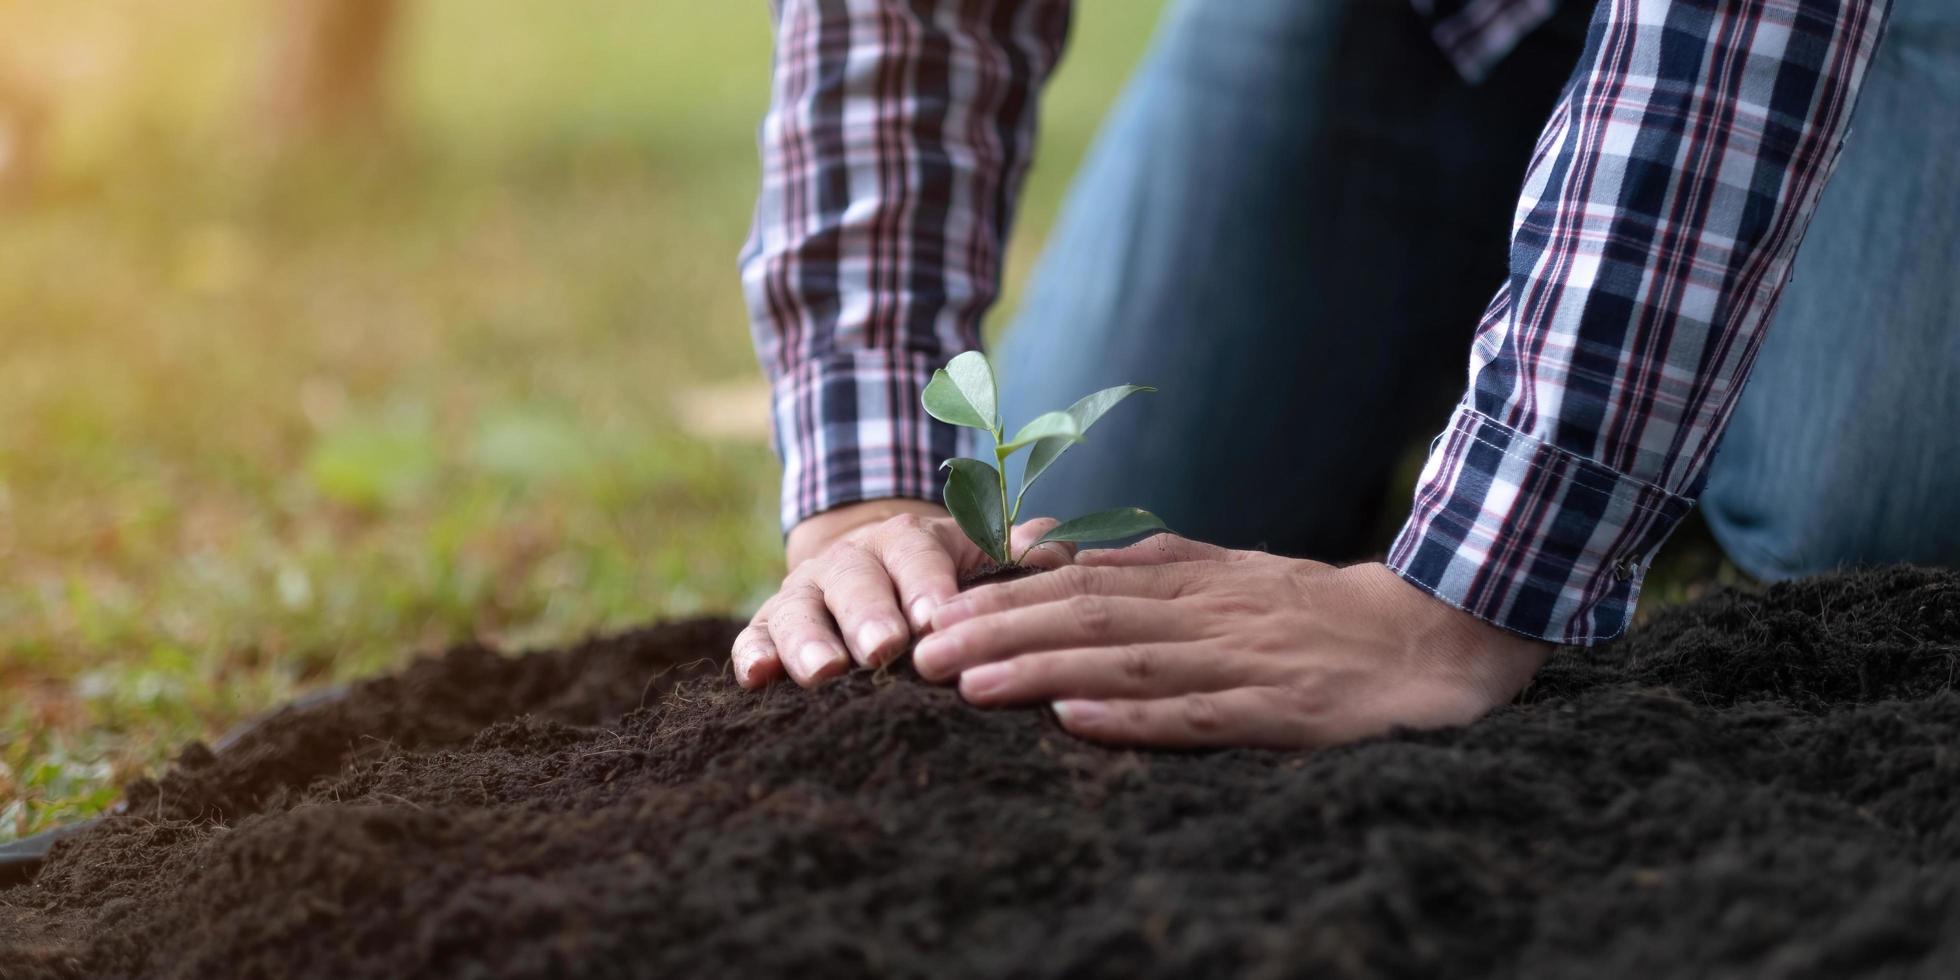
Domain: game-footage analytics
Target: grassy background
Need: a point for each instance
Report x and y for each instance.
(262, 429)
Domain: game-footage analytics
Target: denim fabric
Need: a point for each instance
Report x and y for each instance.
(1845, 446)
(1296, 212)
(1289, 223)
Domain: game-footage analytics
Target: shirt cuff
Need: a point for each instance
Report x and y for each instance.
(1530, 537)
(849, 427)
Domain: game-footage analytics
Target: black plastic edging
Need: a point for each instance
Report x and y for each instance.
(20, 859)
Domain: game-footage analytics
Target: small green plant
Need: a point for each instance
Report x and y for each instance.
(964, 393)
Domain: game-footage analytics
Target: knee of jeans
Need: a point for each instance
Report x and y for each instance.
(1796, 531)
(1771, 544)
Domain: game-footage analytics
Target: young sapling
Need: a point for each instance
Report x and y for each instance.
(964, 393)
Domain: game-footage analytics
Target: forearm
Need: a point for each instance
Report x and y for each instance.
(892, 152)
(1658, 222)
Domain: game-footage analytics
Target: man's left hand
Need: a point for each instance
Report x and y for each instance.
(1175, 643)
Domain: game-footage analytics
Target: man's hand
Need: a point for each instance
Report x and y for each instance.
(1172, 642)
(852, 571)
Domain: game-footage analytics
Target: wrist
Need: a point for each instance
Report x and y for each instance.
(1494, 658)
(813, 534)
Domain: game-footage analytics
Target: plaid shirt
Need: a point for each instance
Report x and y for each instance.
(1661, 211)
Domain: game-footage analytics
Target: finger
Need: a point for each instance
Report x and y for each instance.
(1078, 621)
(858, 592)
(1130, 670)
(920, 565)
(1246, 716)
(1157, 549)
(754, 654)
(1048, 554)
(805, 638)
(1062, 583)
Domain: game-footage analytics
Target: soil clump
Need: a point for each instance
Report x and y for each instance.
(1758, 784)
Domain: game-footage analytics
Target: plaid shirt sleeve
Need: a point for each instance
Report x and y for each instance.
(894, 146)
(1660, 215)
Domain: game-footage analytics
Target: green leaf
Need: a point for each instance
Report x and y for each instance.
(963, 393)
(1052, 425)
(1091, 407)
(1105, 525)
(973, 496)
(1085, 412)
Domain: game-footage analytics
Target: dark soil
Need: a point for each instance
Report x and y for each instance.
(1753, 785)
(993, 573)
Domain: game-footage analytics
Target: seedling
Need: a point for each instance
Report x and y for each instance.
(964, 393)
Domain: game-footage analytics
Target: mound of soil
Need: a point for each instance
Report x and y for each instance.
(1756, 784)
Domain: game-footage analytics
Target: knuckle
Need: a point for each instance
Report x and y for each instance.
(913, 562)
(1235, 604)
(1200, 713)
(1306, 694)
(1061, 585)
(905, 524)
(1092, 614)
(1172, 582)
(1306, 714)
(789, 625)
(1137, 664)
(792, 619)
(1273, 649)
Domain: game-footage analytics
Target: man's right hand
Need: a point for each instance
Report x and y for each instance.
(863, 581)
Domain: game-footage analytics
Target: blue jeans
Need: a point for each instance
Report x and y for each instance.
(1296, 212)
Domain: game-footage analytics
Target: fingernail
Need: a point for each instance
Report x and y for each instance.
(986, 679)
(951, 612)
(816, 657)
(922, 608)
(1080, 712)
(926, 656)
(873, 637)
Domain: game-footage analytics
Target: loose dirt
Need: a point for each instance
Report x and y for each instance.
(1755, 784)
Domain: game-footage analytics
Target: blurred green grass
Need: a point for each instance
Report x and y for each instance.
(263, 429)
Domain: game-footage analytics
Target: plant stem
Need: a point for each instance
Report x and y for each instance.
(1007, 525)
(1007, 516)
